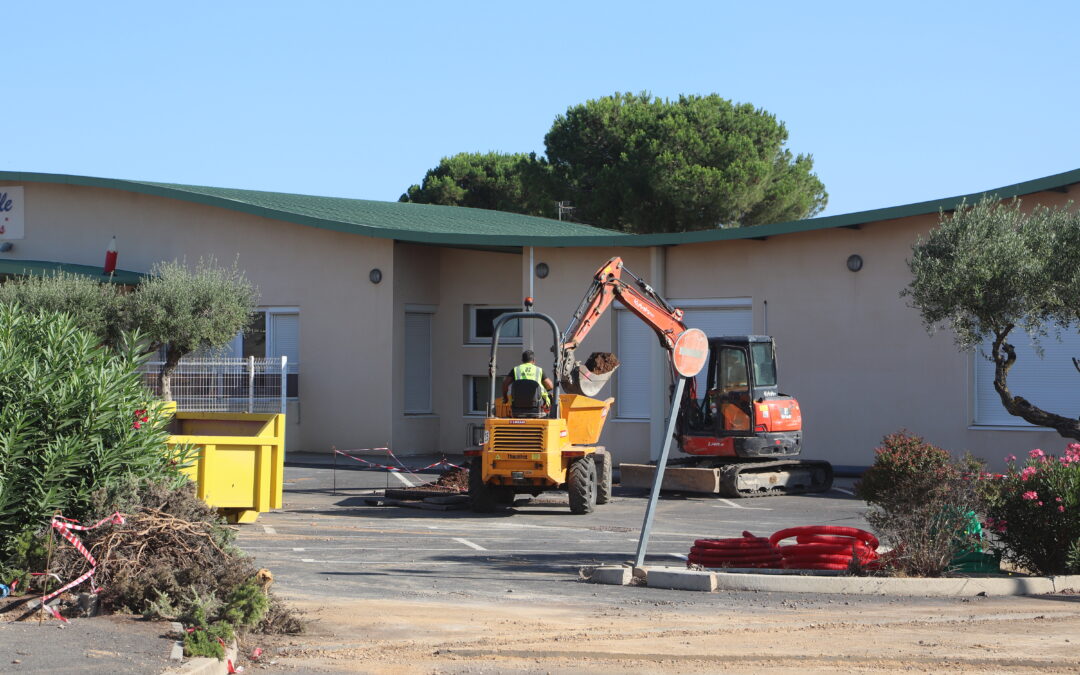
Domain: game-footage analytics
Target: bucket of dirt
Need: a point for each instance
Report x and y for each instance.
(585, 417)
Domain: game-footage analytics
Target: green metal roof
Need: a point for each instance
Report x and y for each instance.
(43, 267)
(451, 225)
(422, 223)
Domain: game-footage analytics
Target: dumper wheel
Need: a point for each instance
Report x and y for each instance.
(603, 476)
(481, 496)
(581, 484)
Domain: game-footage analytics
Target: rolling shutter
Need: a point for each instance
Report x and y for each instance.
(637, 344)
(285, 339)
(417, 363)
(1050, 382)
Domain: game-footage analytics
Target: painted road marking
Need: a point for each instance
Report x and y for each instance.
(425, 563)
(680, 556)
(297, 550)
(727, 503)
(269, 530)
(403, 479)
(469, 544)
(847, 492)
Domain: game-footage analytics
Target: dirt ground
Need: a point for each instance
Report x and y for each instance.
(982, 635)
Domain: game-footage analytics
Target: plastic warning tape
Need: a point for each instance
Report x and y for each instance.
(64, 527)
(402, 468)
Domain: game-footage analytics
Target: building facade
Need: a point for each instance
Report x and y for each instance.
(385, 309)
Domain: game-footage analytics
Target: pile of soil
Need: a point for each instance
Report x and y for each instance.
(454, 481)
(600, 363)
(455, 478)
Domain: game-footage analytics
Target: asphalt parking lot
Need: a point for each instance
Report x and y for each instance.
(328, 541)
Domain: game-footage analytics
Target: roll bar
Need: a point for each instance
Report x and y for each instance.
(492, 372)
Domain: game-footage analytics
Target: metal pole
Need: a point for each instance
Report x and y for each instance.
(661, 464)
(251, 384)
(284, 378)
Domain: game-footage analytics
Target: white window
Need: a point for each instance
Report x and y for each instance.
(481, 325)
(1050, 382)
(637, 345)
(477, 394)
(418, 363)
(273, 332)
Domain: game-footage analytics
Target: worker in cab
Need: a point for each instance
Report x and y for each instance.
(528, 370)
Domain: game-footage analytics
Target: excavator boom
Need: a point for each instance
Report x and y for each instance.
(640, 299)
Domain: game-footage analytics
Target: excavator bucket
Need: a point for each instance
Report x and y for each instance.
(586, 382)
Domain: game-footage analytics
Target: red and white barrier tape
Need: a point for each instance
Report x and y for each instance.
(64, 527)
(402, 468)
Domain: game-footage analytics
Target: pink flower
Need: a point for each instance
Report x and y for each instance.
(1061, 509)
(1028, 472)
(1040, 503)
(1010, 458)
(1036, 454)
(1030, 495)
(1057, 499)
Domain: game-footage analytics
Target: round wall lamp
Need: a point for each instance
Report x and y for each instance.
(6, 246)
(542, 270)
(854, 262)
(375, 275)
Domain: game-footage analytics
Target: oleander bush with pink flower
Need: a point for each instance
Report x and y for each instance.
(1035, 512)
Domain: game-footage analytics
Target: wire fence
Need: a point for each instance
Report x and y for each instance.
(225, 384)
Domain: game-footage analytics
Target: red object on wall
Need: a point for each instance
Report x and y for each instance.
(110, 257)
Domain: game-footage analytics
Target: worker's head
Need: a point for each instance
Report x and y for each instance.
(527, 356)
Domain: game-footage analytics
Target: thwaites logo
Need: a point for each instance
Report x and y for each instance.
(11, 213)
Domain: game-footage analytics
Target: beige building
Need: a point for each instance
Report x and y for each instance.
(385, 309)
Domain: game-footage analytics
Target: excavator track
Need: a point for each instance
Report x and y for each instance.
(775, 477)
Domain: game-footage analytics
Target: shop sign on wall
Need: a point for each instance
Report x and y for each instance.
(11, 212)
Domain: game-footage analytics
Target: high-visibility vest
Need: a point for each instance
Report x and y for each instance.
(531, 371)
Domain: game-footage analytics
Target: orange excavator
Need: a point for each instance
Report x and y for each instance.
(744, 430)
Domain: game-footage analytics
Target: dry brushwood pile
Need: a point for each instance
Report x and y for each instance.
(171, 551)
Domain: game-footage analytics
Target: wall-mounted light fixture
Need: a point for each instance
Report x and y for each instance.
(854, 262)
(6, 246)
(375, 275)
(542, 270)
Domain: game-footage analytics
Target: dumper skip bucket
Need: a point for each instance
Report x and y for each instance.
(585, 417)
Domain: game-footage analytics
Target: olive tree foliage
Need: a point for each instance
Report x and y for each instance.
(493, 180)
(176, 307)
(186, 310)
(636, 163)
(95, 307)
(991, 271)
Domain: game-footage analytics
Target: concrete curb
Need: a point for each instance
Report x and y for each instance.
(680, 578)
(204, 665)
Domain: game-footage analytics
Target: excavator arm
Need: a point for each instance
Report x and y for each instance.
(645, 303)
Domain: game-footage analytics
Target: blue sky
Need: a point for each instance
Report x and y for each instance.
(897, 102)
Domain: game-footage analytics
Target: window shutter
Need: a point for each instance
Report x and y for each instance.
(417, 363)
(285, 339)
(635, 344)
(718, 323)
(1050, 382)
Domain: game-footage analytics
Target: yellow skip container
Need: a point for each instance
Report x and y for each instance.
(585, 417)
(241, 460)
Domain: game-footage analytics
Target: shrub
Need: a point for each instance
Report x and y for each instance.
(923, 504)
(74, 418)
(1036, 513)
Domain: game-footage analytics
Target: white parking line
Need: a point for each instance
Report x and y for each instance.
(847, 492)
(297, 550)
(469, 544)
(680, 556)
(269, 530)
(728, 504)
(403, 479)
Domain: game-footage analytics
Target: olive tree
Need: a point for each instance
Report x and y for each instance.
(185, 310)
(96, 307)
(991, 269)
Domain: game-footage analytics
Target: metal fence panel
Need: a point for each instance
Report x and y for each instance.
(224, 384)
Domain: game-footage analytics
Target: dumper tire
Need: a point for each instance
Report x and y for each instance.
(581, 485)
(481, 496)
(603, 476)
